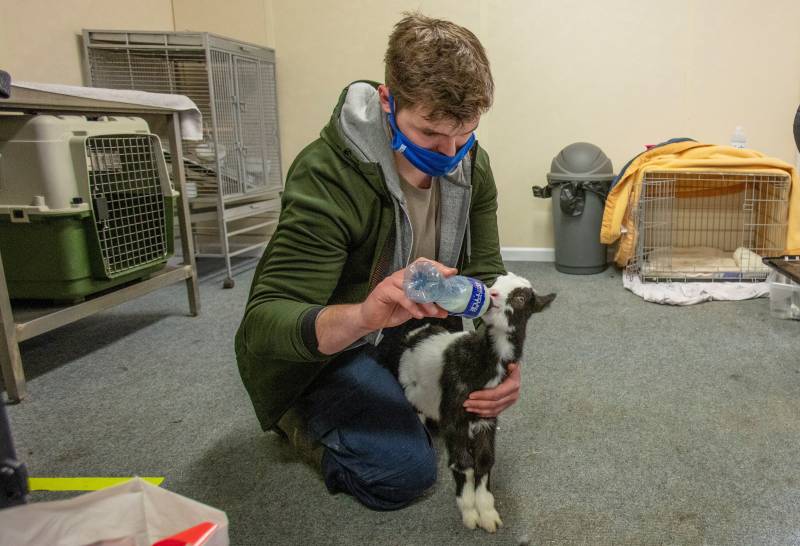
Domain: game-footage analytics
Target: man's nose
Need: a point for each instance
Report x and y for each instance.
(447, 146)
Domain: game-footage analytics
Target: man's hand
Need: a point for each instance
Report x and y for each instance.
(389, 306)
(492, 402)
(338, 326)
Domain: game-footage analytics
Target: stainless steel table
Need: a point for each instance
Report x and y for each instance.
(31, 324)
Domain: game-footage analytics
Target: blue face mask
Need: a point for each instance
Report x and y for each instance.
(427, 161)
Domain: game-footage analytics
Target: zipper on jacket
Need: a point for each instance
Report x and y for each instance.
(382, 257)
(411, 228)
(379, 335)
(405, 214)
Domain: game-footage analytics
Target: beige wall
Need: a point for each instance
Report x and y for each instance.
(618, 73)
(322, 46)
(621, 74)
(40, 39)
(248, 20)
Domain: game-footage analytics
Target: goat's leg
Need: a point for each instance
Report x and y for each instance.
(464, 474)
(483, 451)
(465, 496)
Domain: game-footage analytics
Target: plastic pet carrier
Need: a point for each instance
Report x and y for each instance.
(85, 204)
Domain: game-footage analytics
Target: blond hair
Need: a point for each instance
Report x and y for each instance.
(439, 66)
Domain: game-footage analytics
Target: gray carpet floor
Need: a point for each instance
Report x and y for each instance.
(638, 424)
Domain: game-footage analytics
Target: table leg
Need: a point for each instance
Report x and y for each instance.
(10, 359)
(187, 244)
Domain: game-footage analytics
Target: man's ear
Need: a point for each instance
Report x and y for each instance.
(540, 302)
(383, 93)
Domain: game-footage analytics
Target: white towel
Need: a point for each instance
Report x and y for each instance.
(190, 116)
(689, 293)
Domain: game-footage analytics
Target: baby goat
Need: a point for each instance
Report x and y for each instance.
(439, 369)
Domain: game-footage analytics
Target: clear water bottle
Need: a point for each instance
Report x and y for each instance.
(458, 295)
(739, 139)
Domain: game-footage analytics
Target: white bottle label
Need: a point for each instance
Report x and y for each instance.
(476, 300)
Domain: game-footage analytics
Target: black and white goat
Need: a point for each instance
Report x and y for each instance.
(439, 369)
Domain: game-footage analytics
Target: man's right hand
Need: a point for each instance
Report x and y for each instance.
(387, 305)
(338, 326)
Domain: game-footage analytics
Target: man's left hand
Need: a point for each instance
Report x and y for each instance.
(492, 402)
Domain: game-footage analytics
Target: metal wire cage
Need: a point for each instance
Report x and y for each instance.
(233, 176)
(708, 226)
(233, 85)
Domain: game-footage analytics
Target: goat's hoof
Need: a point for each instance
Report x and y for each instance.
(470, 518)
(490, 521)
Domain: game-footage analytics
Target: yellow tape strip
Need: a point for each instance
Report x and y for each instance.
(80, 484)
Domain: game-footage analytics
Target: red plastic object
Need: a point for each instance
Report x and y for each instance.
(193, 536)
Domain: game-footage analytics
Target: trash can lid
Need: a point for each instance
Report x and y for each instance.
(581, 161)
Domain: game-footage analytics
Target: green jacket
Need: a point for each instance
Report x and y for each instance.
(334, 242)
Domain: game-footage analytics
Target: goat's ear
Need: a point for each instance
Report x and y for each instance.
(540, 302)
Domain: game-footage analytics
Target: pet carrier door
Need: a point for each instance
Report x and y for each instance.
(128, 201)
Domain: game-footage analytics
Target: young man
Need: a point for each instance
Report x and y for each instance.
(396, 175)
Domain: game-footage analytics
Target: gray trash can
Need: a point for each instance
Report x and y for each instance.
(579, 180)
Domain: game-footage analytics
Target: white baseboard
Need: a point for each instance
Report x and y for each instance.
(528, 254)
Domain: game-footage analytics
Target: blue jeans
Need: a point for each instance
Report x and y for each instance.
(376, 448)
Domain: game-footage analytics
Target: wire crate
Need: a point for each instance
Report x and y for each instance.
(233, 84)
(708, 226)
